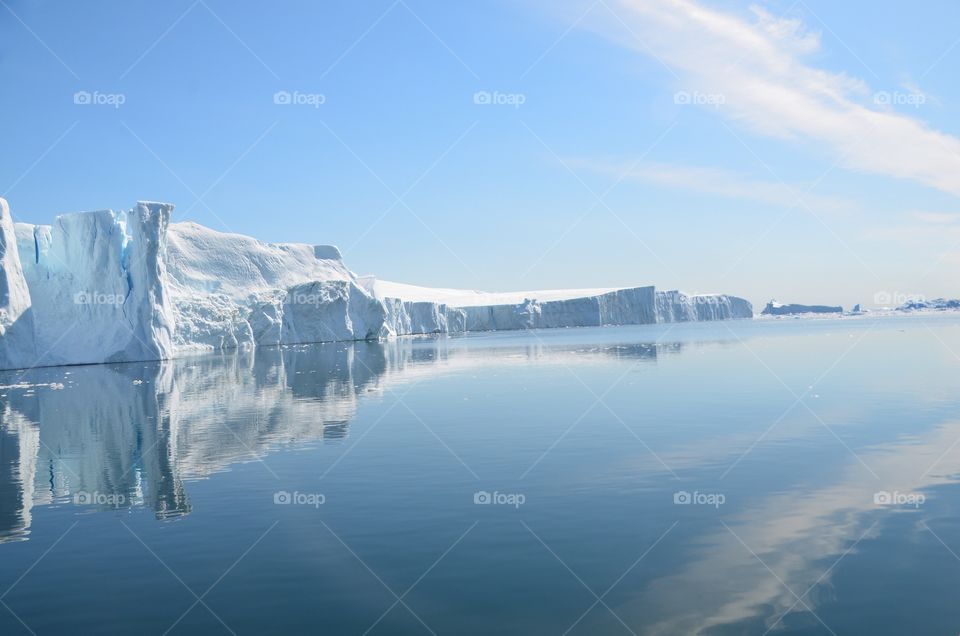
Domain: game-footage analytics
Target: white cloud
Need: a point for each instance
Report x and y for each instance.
(921, 228)
(917, 234)
(760, 67)
(938, 218)
(724, 183)
(933, 237)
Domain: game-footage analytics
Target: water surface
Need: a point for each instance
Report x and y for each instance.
(722, 478)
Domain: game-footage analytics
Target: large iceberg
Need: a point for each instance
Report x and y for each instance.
(233, 291)
(98, 286)
(16, 320)
(412, 309)
(127, 286)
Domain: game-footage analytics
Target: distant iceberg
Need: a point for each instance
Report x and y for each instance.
(128, 286)
(774, 308)
(935, 304)
(412, 309)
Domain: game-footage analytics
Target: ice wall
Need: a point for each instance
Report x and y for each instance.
(675, 306)
(16, 320)
(421, 317)
(233, 291)
(125, 286)
(630, 306)
(147, 309)
(96, 282)
(329, 311)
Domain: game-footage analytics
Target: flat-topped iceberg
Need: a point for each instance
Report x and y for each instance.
(774, 308)
(126, 286)
(412, 309)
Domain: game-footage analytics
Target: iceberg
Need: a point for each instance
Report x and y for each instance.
(232, 291)
(16, 320)
(126, 286)
(936, 304)
(97, 286)
(414, 309)
(774, 308)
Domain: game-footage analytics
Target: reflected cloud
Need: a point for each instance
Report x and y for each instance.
(800, 534)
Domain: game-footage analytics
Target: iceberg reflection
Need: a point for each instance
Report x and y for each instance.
(131, 434)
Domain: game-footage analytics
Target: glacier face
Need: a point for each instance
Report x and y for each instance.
(124, 286)
(16, 316)
(96, 284)
(233, 291)
(630, 306)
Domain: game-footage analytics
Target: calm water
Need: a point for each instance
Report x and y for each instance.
(725, 478)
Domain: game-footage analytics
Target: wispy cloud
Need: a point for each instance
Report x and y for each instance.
(937, 218)
(719, 182)
(918, 234)
(759, 64)
(919, 228)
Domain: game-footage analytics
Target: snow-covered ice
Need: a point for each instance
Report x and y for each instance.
(123, 286)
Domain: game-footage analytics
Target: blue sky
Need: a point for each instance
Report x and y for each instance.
(808, 150)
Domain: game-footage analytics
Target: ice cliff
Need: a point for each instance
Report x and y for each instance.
(125, 286)
(98, 286)
(16, 321)
(232, 291)
(413, 309)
